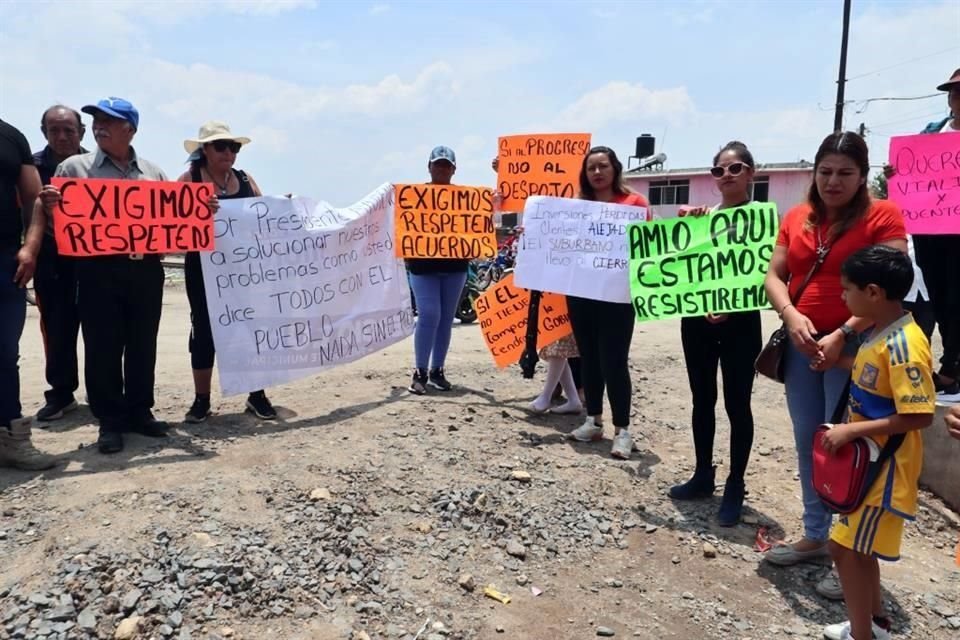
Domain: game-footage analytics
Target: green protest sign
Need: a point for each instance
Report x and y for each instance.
(692, 266)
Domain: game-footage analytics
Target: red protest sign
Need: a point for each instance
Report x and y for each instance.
(105, 217)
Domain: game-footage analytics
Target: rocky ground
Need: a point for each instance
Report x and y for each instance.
(367, 513)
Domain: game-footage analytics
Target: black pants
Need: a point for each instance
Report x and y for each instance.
(603, 331)
(939, 259)
(55, 283)
(733, 344)
(120, 303)
(202, 350)
(13, 313)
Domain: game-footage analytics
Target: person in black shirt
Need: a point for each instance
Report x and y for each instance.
(19, 186)
(437, 284)
(55, 281)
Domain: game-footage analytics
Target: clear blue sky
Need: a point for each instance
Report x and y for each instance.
(340, 97)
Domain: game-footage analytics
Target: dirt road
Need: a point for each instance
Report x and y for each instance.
(366, 512)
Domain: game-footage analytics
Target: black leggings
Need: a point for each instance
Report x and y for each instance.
(202, 350)
(733, 344)
(603, 331)
(939, 259)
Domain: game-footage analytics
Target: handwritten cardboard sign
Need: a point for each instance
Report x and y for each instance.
(927, 182)
(539, 165)
(502, 311)
(692, 266)
(576, 247)
(444, 221)
(104, 217)
(296, 286)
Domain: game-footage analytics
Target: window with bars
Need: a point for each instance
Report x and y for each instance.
(670, 192)
(760, 189)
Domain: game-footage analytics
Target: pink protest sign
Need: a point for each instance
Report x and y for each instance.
(927, 182)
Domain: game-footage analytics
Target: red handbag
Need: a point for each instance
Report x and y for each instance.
(843, 478)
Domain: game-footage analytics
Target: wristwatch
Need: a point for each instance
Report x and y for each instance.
(849, 333)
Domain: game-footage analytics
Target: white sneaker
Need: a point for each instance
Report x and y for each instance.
(948, 398)
(570, 406)
(622, 445)
(842, 632)
(587, 432)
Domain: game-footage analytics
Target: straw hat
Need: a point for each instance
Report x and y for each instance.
(210, 132)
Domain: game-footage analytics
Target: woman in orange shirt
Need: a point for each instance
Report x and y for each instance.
(603, 330)
(838, 219)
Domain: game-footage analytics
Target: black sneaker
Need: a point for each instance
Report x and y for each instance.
(949, 392)
(259, 405)
(199, 411)
(54, 410)
(731, 506)
(700, 486)
(418, 385)
(150, 427)
(110, 442)
(438, 381)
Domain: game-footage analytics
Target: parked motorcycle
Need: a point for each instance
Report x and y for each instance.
(466, 311)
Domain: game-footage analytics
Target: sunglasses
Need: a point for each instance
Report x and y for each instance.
(734, 169)
(223, 145)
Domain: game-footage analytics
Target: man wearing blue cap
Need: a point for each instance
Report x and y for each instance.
(119, 296)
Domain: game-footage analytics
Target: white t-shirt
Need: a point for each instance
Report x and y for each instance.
(919, 288)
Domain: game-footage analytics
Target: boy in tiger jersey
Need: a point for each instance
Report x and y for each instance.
(891, 392)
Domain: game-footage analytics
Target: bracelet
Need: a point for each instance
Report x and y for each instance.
(784, 308)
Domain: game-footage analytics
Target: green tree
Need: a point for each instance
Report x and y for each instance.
(878, 186)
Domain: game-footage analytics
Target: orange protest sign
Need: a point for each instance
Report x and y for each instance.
(502, 311)
(104, 217)
(539, 165)
(444, 221)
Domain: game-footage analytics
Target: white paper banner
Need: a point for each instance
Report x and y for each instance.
(576, 247)
(295, 287)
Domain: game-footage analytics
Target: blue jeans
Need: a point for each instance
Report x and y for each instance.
(13, 314)
(437, 297)
(812, 397)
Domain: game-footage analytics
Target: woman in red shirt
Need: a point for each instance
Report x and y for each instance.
(838, 220)
(603, 330)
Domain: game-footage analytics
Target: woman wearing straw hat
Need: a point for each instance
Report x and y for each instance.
(212, 156)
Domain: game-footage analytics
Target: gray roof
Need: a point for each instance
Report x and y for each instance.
(761, 168)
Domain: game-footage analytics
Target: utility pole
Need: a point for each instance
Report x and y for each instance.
(842, 79)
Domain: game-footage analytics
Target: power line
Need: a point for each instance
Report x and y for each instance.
(900, 64)
(914, 116)
(866, 103)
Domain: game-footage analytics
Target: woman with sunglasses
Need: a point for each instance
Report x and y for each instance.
(603, 330)
(838, 219)
(732, 341)
(212, 156)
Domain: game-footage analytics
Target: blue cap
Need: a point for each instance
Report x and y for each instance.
(443, 153)
(116, 107)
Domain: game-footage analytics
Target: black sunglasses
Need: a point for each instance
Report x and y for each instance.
(734, 168)
(223, 145)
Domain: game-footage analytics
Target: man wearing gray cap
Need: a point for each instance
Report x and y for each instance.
(119, 296)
